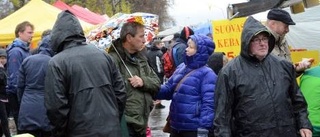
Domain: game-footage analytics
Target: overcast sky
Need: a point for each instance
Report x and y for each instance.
(191, 12)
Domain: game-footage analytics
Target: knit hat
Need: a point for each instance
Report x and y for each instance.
(3, 53)
(185, 33)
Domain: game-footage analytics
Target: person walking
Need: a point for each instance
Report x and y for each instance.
(84, 94)
(154, 55)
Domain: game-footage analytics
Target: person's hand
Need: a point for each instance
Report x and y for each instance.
(1, 65)
(305, 132)
(136, 81)
(304, 64)
(202, 132)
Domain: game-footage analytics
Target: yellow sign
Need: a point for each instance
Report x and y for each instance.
(297, 56)
(227, 36)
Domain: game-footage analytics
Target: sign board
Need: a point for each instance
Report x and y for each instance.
(227, 36)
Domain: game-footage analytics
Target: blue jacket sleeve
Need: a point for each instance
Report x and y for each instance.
(166, 90)
(21, 81)
(15, 59)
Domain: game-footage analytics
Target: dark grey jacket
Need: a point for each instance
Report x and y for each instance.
(260, 98)
(84, 93)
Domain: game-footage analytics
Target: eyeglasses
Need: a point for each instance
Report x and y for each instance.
(257, 40)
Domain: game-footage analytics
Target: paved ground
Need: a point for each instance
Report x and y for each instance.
(158, 119)
(156, 122)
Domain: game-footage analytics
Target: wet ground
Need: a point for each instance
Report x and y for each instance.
(156, 121)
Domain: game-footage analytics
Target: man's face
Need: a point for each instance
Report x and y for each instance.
(3, 60)
(137, 42)
(259, 46)
(281, 28)
(26, 35)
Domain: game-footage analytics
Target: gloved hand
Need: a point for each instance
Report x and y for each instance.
(202, 132)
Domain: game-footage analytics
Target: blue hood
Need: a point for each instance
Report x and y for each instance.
(19, 43)
(205, 47)
(45, 46)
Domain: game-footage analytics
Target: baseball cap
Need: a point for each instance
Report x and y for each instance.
(280, 15)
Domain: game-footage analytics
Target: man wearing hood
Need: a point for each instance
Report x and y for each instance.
(142, 83)
(17, 52)
(84, 94)
(32, 114)
(191, 91)
(257, 94)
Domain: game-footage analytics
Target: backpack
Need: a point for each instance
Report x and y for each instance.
(168, 64)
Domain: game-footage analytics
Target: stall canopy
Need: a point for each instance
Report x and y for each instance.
(81, 13)
(37, 12)
(305, 34)
(98, 18)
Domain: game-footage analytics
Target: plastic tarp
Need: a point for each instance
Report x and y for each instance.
(81, 13)
(305, 34)
(170, 31)
(204, 28)
(37, 12)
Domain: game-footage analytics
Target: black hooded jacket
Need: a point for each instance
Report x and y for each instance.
(260, 98)
(84, 93)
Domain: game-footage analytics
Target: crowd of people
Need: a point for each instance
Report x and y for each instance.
(69, 88)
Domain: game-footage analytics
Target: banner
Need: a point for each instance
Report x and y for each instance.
(227, 36)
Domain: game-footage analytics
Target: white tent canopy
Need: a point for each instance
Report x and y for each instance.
(306, 33)
(171, 31)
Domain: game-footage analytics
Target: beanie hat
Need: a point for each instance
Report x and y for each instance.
(185, 33)
(3, 53)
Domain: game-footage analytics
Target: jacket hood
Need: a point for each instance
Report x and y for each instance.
(66, 31)
(19, 43)
(215, 61)
(45, 46)
(205, 47)
(250, 29)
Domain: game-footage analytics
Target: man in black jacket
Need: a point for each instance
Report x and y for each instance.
(84, 93)
(257, 94)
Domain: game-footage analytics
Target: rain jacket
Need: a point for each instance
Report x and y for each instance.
(84, 94)
(17, 52)
(260, 98)
(192, 105)
(310, 87)
(139, 102)
(31, 76)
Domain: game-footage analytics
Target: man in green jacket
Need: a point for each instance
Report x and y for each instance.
(141, 81)
(310, 87)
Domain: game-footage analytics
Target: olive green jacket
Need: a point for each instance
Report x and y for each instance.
(139, 100)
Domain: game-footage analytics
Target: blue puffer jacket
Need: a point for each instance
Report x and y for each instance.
(192, 105)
